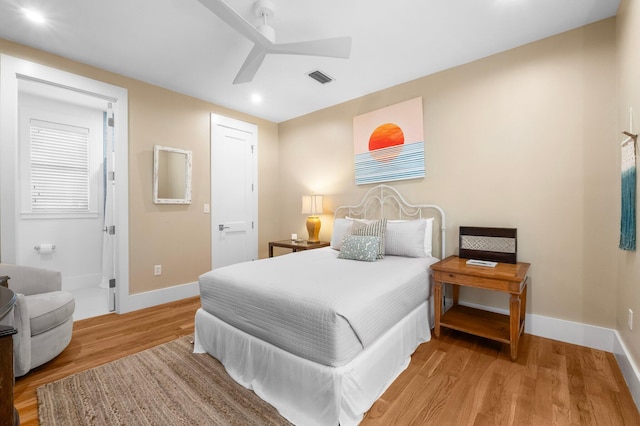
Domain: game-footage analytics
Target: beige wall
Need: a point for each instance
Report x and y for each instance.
(534, 127)
(176, 236)
(524, 139)
(628, 277)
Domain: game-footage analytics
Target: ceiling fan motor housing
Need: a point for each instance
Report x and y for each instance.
(264, 9)
(268, 32)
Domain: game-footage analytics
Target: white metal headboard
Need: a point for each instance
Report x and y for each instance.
(384, 201)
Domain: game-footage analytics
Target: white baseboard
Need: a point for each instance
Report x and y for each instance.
(590, 336)
(576, 333)
(628, 367)
(158, 297)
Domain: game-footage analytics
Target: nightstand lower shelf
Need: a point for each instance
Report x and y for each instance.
(481, 323)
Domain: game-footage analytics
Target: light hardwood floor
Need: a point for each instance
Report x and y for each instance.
(455, 380)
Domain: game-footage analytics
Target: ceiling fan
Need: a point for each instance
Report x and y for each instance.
(263, 38)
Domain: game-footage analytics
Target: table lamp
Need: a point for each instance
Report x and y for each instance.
(312, 205)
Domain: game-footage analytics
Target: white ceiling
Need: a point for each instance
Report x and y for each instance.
(182, 46)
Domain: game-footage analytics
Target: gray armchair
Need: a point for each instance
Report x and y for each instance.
(43, 316)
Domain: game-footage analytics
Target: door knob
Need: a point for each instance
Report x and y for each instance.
(221, 227)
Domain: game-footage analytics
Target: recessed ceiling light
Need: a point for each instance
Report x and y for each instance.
(34, 15)
(256, 98)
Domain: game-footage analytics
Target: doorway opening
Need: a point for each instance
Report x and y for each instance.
(85, 236)
(62, 190)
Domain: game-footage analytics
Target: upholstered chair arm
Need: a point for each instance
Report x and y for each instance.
(29, 280)
(22, 339)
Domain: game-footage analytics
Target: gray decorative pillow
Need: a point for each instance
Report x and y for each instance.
(376, 229)
(358, 247)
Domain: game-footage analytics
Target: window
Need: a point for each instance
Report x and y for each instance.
(59, 162)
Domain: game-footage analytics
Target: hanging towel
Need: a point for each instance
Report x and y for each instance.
(628, 193)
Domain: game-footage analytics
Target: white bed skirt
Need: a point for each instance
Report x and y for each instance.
(305, 392)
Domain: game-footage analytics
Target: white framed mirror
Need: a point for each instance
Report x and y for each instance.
(171, 175)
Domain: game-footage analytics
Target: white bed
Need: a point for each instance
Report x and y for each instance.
(322, 346)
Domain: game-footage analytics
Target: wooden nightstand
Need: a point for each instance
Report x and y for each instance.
(302, 245)
(505, 277)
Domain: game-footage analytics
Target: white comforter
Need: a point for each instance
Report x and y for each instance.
(315, 305)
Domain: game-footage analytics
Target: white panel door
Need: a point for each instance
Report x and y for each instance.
(234, 206)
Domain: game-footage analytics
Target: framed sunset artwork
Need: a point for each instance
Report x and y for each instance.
(389, 143)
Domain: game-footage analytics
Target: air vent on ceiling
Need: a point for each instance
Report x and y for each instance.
(320, 77)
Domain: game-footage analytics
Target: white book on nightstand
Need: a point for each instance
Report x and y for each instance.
(482, 263)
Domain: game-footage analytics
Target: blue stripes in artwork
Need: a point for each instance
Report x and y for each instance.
(387, 164)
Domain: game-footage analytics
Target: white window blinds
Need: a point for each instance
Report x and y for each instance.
(59, 157)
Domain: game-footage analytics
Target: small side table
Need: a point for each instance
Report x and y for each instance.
(504, 277)
(301, 246)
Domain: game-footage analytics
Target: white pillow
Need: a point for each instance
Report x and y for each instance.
(425, 237)
(405, 238)
(428, 237)
(341, 228)
(365, 221)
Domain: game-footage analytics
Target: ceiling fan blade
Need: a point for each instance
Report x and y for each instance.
(251, 64)
(339, 47)
(235, 21)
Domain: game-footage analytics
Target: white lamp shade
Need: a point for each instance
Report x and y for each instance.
(312, 204)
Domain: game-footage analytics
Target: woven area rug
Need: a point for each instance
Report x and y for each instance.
(164, 385)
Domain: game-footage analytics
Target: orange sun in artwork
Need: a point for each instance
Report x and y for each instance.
(385, 136)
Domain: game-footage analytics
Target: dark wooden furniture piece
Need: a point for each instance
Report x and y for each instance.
(492, 244)
(301, 246)
(7, 409)
(505, 277)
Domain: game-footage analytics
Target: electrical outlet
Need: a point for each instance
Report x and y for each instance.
(630, 319)
(157, 270)
(206, 208)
